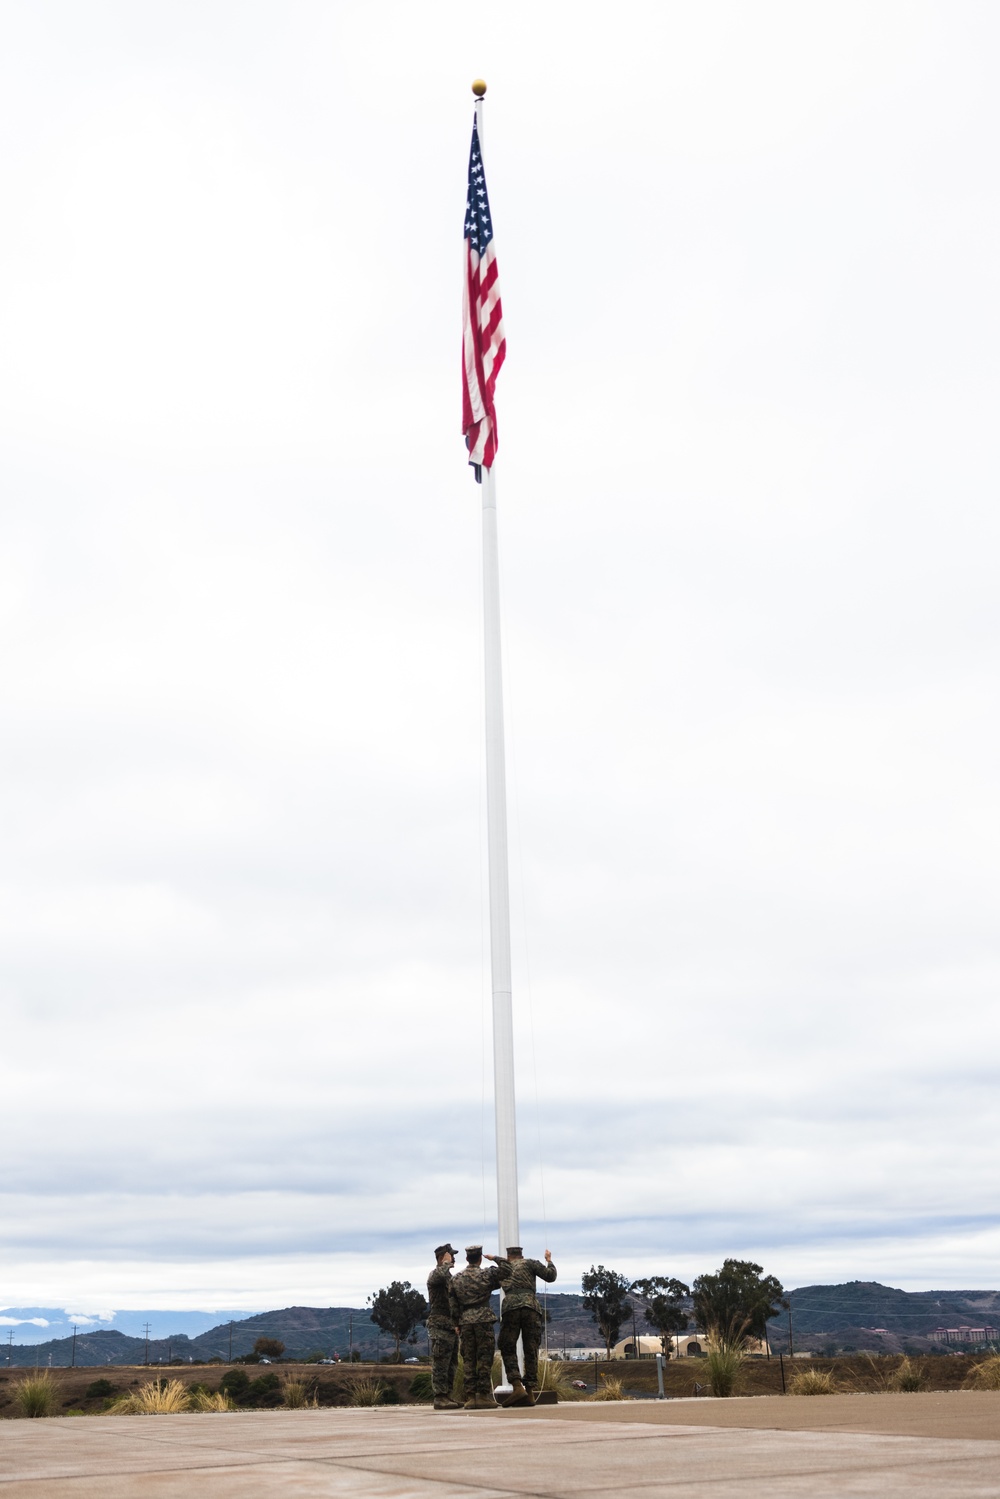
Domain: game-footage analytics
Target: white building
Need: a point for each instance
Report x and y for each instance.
(682, 1345)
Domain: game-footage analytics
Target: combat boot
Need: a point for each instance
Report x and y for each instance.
(518, 1395)
(445, 1403)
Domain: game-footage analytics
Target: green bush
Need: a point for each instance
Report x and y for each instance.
(265, 1391)
(235, 1383)
(99, 1389)
(422, 1385)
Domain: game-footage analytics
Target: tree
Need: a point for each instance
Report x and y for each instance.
(269, 1348)
(604, 1297)
(735, 1303)
(398, 1310)
(664, 1308)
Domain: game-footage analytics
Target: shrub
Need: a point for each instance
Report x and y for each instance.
(985, 1375)
(906, 1378)
(210, 1400)
(724, 1363)
(296, 1395)
(555, 1376)
(158, 1398)
(235, 1383)
(422, 1385)
(609, 1388)
(34, 1396)
(263, 1391)
(813, 1382)
(366, 1392)
(99, 1389)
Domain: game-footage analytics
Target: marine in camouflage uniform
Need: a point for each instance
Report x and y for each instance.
(471, 1289)
(442, 1329)
(521, 1314)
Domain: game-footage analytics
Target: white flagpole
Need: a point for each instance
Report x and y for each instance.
(496, 826)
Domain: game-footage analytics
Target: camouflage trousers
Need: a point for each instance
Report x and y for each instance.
(524, 1322)
(478, 1347)
(444, 1359)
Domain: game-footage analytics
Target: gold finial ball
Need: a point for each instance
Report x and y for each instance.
(479, 87)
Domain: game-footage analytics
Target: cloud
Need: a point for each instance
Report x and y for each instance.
(25, 1321)
(751, 641)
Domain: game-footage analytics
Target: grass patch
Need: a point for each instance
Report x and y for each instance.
(608, 1388)
(558, 1379)
(297, 1396)
(161, 1397)
(34, 1396)
(813, 1382)
(985, 1375)
(211, 1400)
(907, 1378)
(724, 1366)
(366, 1392)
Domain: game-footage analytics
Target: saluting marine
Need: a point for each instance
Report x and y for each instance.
(470, 1290)
(442, 1329)
(521, 1316)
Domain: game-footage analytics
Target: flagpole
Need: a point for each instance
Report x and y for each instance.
(508, 1230)
(496, 826)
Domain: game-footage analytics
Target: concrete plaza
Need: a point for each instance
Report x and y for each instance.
(841, 1445)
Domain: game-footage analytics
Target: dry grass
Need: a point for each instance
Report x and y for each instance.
(906, 1378)
(211, 1400)
(985, 1375)
(609, 1388)
(557, 1378)
(158, 1398)
(813, 1382)
(366, 1392)
(34, 1396)
(892, 1377)
(296, 1395)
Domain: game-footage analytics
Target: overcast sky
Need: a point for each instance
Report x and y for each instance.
(749, 528)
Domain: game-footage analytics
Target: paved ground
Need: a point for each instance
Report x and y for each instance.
(720, 1448)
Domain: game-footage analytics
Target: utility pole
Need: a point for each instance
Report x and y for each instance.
(350, 1338)
(10, 1343)
(791, 1350)
(72, 1362)
(230, 1340)
(145, 1329)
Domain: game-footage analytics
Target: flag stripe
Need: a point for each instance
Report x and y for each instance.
(484, 345)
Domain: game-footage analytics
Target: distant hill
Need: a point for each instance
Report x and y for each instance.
(866, 1315)
(857, 1315)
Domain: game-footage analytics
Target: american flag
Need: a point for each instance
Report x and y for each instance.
(483, 345)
